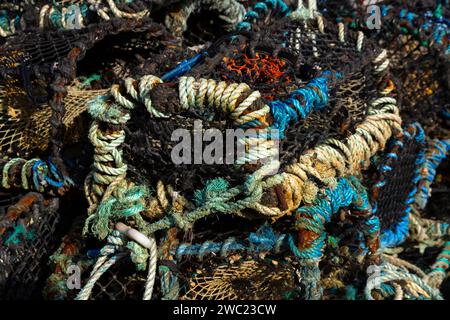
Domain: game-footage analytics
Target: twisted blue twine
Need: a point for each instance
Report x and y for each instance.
(263, 240)
(431, 163)
(348, 192)
(41, 173)
(314, 96)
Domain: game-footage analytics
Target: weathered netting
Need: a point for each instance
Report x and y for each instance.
(307, 50)
(247, 280)
(397, 182)
(24, 131)
(28, 238)
(415, 34)
(27, 122)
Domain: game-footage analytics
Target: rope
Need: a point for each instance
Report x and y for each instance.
(311, 220)
(412, 285)
(261, 9)
(241, 104)
(41, 175)
(109, 255)
(59, 16)
(436, 153)
(314, 96)
(398, 231)
(217, 197)
(223, 97)
(439, 268)
(114, 251)
(334, 158)
(263, 240)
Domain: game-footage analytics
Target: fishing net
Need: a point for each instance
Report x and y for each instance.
(416, 35)
(399, 175)
(22, 134)
(28, 229)
(293, 46)
(343, 186)
(249, 280)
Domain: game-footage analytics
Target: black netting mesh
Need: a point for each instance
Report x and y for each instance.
(24, 256)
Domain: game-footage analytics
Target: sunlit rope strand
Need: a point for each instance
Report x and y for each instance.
(113, 251)
(221, 96)
(230, 11)
(398, 230)
(411, 283)
(238, 102)
(439, 268)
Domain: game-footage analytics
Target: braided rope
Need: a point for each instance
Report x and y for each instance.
(109, 255)
(263, 240)
(436, 153)
(43, 176)
(410, 282)
(334, 158)
(398, 232)
(439, 268)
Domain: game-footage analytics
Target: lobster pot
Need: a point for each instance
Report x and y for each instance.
(276, 60)
(29, 236)
(416, 35)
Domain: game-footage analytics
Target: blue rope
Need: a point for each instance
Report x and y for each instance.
(435, 154)
(314, 96)
(183, 67)
(41, 175)
(261, 9)
(348, 192)
(263, 240)
(20, 233)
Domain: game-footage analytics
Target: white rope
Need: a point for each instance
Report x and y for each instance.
(359, 41)
(341, 32)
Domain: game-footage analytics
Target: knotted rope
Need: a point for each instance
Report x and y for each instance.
(412, 286)
(311, 220)
(439, 268)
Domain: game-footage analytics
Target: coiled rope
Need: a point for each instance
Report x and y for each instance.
(35, 174)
